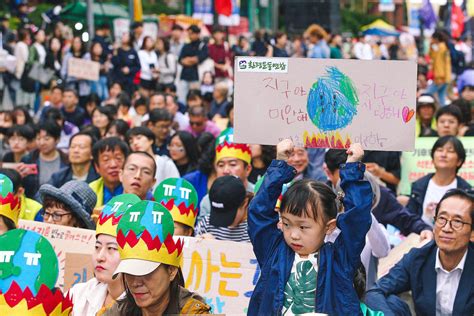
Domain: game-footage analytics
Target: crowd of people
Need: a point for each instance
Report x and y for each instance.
(154, 135)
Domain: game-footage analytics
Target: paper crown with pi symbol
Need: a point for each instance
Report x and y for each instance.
(28, 274)
(112, 212)
(226, 148)
(145, 239)
(180, 198)
(9, 203)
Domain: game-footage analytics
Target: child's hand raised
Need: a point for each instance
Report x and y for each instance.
(355, 153)
(285, 149)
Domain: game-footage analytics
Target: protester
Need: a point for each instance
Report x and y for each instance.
(180, 198)
(220, 53)
(438, 275)
(142, 139)
(184, 152)
(102, 291)
(204, 176)
(125, 63)
(81, 86)
(448, 156)
(167, 62)
(70, 205)
(231, 159)
(282, 253)
(67, 129)
(102, 117)
(152, 277)
(38, 166)
(199, 122)
(317, 37)
(109, 156)
(160, 124)
(71, 110)
(441, 66)
(219, 104)
(138, 174)
(262, 156)
(9, 204)
(149, 68)
(425, 122)
(388, 211)
(117, 128)
(191, 55)
(80, 160)
(227, 219)
(448, 121)
(18, 137)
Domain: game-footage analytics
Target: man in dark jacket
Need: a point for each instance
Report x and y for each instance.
(80, 157)
(440, 274)
(191, 56)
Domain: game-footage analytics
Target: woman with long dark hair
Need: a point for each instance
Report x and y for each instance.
(96, 54)
(184, 152)
(102, 117)
(149, 67)
(77, 50)
(126, 64)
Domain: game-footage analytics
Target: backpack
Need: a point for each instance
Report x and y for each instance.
(458, 62)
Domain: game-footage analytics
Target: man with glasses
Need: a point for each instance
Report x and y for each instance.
(109, 156)
(439, 275)
(199, 123)
(138, 174)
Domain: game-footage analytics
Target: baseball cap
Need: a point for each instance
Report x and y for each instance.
(226, 195)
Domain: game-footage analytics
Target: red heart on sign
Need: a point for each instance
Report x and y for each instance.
(407, 114)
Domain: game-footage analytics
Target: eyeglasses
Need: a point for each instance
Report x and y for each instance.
(57, 217)
(196, 123)
(456, 224)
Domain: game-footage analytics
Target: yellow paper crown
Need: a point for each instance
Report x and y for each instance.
(16, 302)
(145, 232)
(112, 212)
(188, 219)
(145, 248)
(226, 148)
(10, 206)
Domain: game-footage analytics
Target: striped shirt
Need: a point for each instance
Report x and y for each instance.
(238, 233)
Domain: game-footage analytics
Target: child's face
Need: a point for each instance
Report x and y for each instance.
(303, 234)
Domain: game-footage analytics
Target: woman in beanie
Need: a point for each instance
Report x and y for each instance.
(96, 295)
(70, 205)
(150, 259)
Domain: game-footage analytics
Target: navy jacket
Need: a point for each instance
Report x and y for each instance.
(389, 211)
(418, 192)
(416, 273)
(125, 58)
(335, 294)
(194, 49)
(65, 174)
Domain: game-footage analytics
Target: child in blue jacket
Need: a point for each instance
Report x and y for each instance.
(299, 272)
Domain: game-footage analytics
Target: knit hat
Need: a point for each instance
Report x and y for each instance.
(145, 239)
(226, 195)
(226, 148)
(112, 212)
(180, 198)
(28, 274)
(9, 203)
(77, 195)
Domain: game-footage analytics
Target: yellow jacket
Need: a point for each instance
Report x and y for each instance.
(98, 187)
(441, 61)
(29, 208)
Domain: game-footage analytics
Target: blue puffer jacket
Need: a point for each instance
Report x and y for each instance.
(335, 294)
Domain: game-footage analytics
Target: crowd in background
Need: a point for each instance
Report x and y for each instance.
(162, 108)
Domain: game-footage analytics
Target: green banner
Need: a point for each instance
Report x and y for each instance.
(418, 163)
